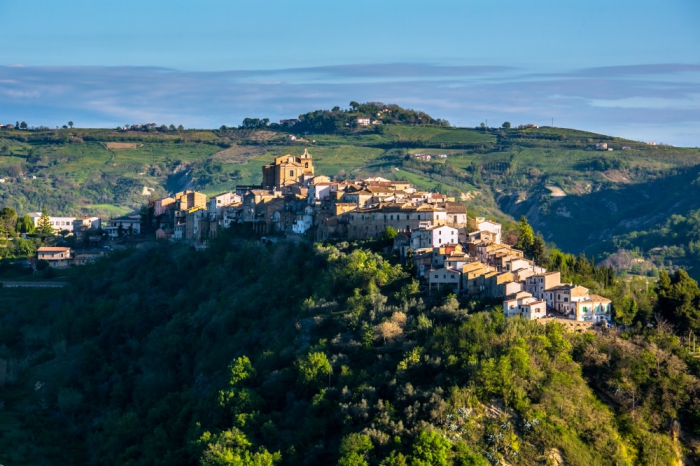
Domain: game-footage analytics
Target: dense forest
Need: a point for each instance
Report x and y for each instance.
(303, 354)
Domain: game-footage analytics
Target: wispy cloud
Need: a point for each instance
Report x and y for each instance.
(646, 102)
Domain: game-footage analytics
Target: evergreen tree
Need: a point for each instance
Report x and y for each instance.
(44, 229)
(526, 236)
(679, 300)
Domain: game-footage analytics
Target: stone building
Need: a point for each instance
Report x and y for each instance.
(288, 170)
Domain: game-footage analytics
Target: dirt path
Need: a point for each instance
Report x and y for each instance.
(556, 191)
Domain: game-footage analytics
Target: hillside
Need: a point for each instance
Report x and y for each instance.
(171, 356)
(576, 197)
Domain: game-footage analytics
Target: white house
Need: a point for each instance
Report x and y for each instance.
(492, 227)
(218, 202)
(526, 305)
(122, 226)
(434, 236)
(58, 223)
(439, 278)
(303, 221)
(363, 121)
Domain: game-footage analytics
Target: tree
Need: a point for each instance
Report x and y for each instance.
(388, 330)
(354, 449)
(506, 125)
(538, 251)
(180, 128)
(312, 367)
(44, 229)
(232, 448)
(8, 220)
(679, 300)
(354, 105)
(70, 123)
(23, 125)
(387, 236)
(430, 449)
(25, 225)
(626, 311)
(526, 236)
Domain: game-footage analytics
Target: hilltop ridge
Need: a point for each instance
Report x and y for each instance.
(500, 172)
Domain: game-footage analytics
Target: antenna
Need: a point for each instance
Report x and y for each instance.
(552, 122)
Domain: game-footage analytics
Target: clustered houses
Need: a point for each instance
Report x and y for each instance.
(482, 267)
(292, 199)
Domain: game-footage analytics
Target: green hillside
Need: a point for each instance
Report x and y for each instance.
(577, 197)
(175, 357)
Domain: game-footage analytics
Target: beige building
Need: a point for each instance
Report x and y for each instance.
(288, 170)
(58, 257)
(539, 283)
(187, 200)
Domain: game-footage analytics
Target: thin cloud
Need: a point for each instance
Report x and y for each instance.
(617, 100)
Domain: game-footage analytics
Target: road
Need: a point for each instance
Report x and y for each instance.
(15, 284)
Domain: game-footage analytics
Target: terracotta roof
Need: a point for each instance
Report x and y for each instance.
(602, 299)
(52, 249)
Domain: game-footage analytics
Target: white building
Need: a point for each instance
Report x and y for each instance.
(363, 122)
(58, 223)
(218, 202)
(490, 226)
(123, 226)
(303, 221)
(434, 236)
(439, 278)
(526, 305)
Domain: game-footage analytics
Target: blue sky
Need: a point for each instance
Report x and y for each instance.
(618, 67)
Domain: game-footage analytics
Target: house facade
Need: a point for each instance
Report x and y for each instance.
(57, 257)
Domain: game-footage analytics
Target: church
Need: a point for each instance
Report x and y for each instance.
(287, 171)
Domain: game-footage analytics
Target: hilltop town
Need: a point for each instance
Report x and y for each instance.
(448, 250)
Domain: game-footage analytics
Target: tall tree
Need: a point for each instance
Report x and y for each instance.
(679, 300)
(70, 123)
(44, 229)
(526, 235)
(25, 225)
(8, 220)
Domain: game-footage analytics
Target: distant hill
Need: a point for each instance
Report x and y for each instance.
(576, 196)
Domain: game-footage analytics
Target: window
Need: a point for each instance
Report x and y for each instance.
(566, 300)
(291, 172)
(307, 165)
(408, 217)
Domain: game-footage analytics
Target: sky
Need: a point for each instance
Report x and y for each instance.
(625, 68)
